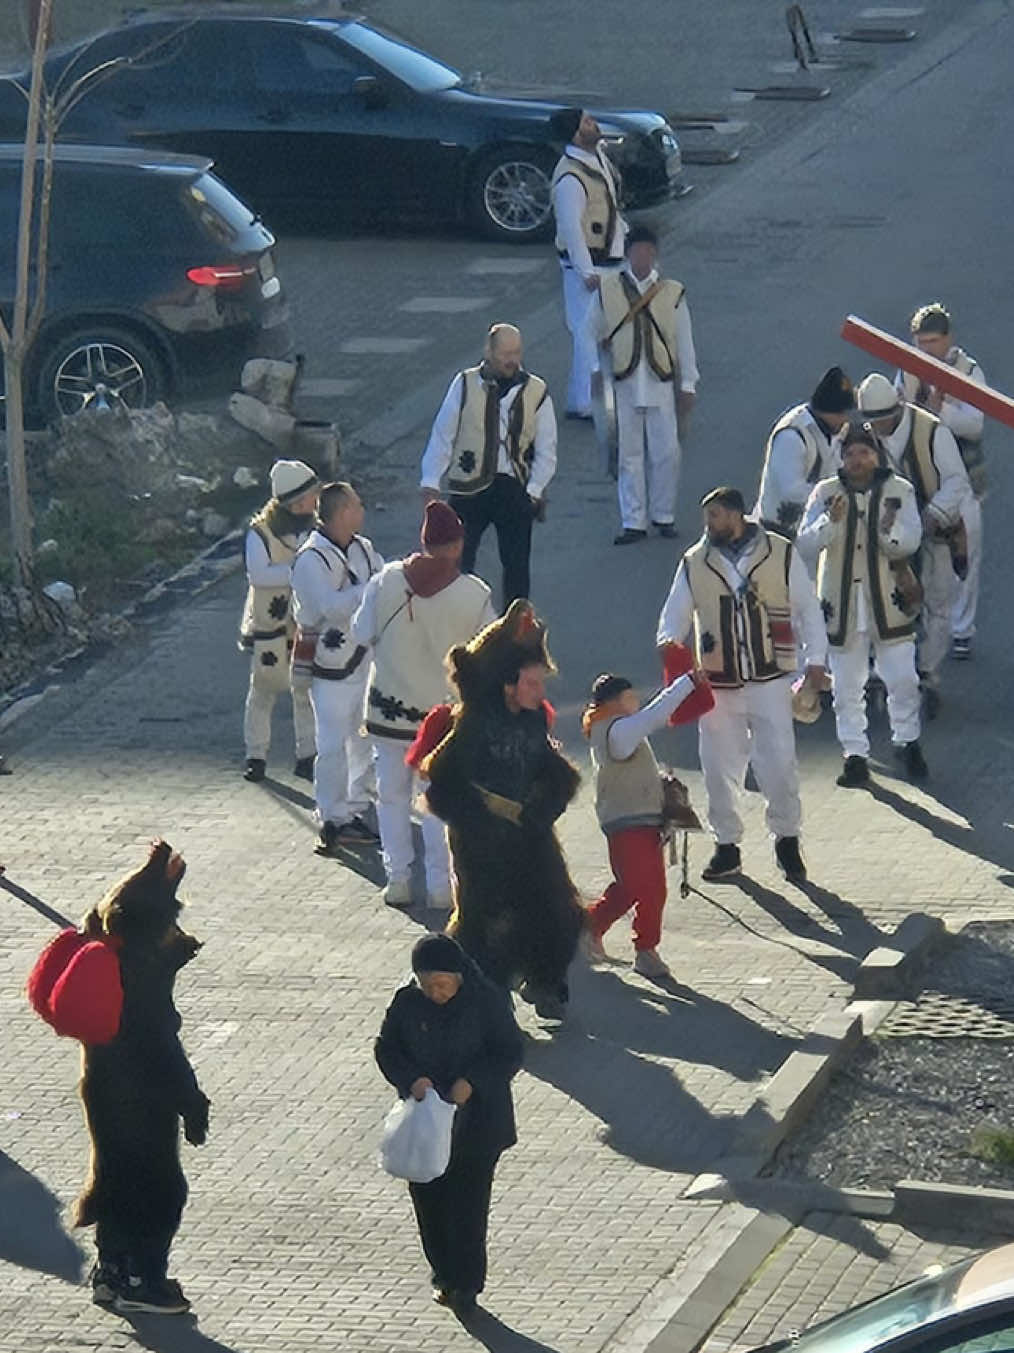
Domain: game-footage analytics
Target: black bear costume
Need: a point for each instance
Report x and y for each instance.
(135, 1090)
(500, 783)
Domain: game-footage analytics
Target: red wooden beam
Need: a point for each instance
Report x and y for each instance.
(894, 352)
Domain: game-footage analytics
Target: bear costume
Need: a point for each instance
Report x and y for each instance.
(135, 1089)
(500, 783)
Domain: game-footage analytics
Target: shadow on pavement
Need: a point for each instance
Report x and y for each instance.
(853, 934)
(987, 837)
(30, 1232)
(498, 1337)
(175, 1334)
(813, 1206)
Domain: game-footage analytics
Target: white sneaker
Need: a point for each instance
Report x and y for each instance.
(440, 899)
(593, 948)
(398, 893)
(648, 964)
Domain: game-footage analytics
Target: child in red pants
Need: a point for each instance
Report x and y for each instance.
(628, 800)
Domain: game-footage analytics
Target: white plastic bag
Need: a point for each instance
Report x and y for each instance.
(416, 1143)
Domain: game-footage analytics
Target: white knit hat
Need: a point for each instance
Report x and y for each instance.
(877, 397)
(291, 479)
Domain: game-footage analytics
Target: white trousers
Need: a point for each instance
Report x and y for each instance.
(396, 786)
(937, 577)
(266, 684)
(751, 725)
(850, 670)
(649, 461)
(343, 771)
(966, 596)
(577, 309)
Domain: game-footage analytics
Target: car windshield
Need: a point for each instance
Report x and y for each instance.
(887, 1317)
(419, 71)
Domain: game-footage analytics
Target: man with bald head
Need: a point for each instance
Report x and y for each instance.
(494, 438)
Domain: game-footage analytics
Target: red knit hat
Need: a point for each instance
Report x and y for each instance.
(441, 525)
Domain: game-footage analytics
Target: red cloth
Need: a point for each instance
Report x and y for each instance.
(677, 660)
(638, 863)
(441, 524)
(437, 724)
(75, 986)
(427, 575)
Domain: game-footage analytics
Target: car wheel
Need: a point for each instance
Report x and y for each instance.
(510, 197)
(100, 366)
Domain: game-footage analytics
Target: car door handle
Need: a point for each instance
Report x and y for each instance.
(274, 115)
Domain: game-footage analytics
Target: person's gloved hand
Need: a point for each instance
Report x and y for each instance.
(195, 1121)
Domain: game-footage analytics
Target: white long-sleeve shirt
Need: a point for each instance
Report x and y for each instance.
(817, 530)
(328, 582)
(784, 479)
(946, 503)
(677, 615)
(964, 420)
(569, 199)
(642, 387)
(260, 571)
(437, 456)
(628, 732)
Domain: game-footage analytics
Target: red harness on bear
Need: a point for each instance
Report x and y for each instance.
(75, 987)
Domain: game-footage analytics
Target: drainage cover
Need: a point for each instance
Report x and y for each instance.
(936, 1014)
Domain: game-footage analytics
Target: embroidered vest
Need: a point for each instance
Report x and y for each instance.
(267, 612)
(650, 333)
(336, 655)
(627, 793)
(744, 635)
(414, 636)
(785, 516)
(917, 463)
(483, 428)
(855, 555)
(971, 448)
(598, 219)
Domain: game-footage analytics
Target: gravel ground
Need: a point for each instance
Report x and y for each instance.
(908, 1107)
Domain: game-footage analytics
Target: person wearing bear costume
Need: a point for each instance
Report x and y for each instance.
(500, 783)
(135, 1090)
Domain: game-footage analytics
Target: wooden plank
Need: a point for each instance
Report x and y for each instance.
(886, 348)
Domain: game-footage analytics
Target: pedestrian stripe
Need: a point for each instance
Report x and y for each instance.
(444, 305)
(383, 345)
(891, 12)
(505, 266)
(324, 387)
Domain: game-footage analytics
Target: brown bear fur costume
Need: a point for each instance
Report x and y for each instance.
(136, 1089)
(500, 783)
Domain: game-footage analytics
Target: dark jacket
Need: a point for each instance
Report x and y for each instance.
(473, 1037)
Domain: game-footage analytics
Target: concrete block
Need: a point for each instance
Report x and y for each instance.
(891, 972)
(954, 1207)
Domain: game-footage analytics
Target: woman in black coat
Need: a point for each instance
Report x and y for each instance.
(452, 1029)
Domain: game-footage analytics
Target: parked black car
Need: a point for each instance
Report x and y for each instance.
(338, 114)
(160, 281)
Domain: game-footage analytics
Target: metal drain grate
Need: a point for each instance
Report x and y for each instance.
(937, 1015)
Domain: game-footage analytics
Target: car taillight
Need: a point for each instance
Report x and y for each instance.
(228, 277)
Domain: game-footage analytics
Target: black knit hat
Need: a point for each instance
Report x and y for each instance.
(607, 687)
(565, 122)
(437, 953)
(727, 496)
(640, 234)
(834, 392)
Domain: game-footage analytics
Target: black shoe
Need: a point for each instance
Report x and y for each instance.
(254, 770)
(915, 763)
(665, 529)
(788, 856)
(303, 769)
(548, 1006)
(628, 536)
(725, 861)
(327, 840)
(106, 1282)
(578, 417)
(462, 1302)
(930, 701)
(443, 1296)
(356, 832)
(855, 773)
(161, 1297)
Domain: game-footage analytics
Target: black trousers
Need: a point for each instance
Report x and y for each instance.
(505, 506)
(452, 1213)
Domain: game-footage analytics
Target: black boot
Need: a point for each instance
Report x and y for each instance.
(254, 770)
(303, 769)
(915, 763)
(724, 862)
(855, 773)
(788, 856)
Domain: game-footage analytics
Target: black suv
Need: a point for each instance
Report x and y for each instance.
(160, 283)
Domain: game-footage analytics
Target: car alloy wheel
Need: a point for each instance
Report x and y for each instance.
(99, 375)
(516, 196)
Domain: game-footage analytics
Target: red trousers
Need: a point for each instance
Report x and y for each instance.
(638, 862)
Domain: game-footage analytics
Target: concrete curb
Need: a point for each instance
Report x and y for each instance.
(953, 1206)
(893, 973)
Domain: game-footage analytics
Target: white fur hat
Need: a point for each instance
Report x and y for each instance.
(290, 479)
(877, 397)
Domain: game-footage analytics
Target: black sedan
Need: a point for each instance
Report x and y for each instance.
(968, 1308)
(340, 115)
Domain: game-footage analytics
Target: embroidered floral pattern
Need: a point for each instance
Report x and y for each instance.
(392, 708)
(828, 608)
(467, 461)
(269, 659)
(332, 638)
(278, 607)
(789, 515)
(901, 601)
(707, 642)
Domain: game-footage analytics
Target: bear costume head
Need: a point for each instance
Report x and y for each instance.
(481, 668)
(142, 910)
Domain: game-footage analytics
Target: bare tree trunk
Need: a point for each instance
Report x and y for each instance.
(17, 476)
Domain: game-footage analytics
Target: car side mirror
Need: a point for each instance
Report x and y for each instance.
(369, 89)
